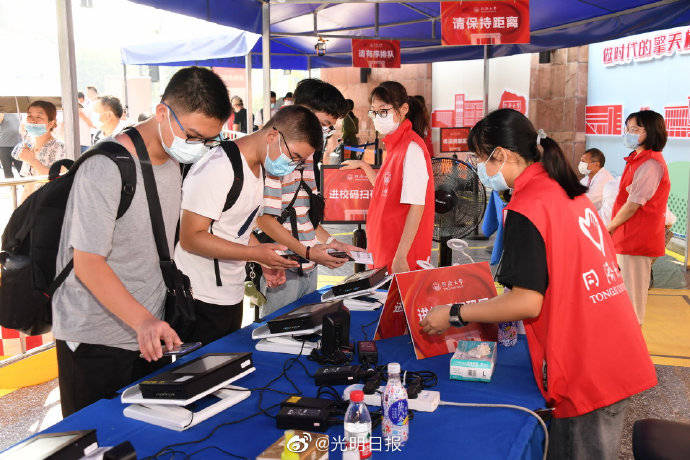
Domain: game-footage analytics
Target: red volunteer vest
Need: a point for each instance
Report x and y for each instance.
(386, 215)
(587, 338)
(643, 234)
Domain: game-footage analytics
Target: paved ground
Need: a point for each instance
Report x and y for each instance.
(29, 410)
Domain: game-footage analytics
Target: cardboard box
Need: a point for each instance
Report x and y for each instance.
(473, 361)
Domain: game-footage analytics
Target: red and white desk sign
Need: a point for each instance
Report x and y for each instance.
(375, 53)
(485, 22)
(454, 140)
(413, 294)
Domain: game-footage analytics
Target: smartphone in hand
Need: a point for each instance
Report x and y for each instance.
(340, 255)
(296, 258)
(183, 349)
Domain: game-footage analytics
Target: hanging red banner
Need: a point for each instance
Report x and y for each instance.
(485, 22)
(375, 53)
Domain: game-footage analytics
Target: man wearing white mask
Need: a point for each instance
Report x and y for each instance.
(108, 114)
(107, 314)
(596, 177)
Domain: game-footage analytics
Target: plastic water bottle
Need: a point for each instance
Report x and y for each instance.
(358, 425)
(395, 422)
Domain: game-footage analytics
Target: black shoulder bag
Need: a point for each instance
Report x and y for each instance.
(179, 303)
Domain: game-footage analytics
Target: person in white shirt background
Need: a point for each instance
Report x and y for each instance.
(596, 176)
(108, 115)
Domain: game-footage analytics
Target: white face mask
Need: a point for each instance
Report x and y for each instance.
(583, 168)
(387, 124)
(180, 150)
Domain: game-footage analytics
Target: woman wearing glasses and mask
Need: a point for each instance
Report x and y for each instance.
(400, 221)
(639, 211)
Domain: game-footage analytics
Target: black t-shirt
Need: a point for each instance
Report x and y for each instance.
(241, 119)
(523, 263)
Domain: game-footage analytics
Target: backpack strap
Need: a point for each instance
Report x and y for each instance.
(233, 153)
(128, 174)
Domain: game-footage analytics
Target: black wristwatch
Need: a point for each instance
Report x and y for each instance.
(456, 316)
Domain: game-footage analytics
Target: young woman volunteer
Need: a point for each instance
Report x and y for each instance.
(639, 212)
(400, 221)
(587, 350)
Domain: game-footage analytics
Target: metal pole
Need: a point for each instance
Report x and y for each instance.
(266, 58)
(687, 232)
(248, 102)
(376, 19)
(309, 66)
(68, 77)
(124, 74)
(486, 79)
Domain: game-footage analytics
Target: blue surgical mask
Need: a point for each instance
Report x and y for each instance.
(631, 140)
(181, 150)
(496, 182)
(281, 166)
(36, 129)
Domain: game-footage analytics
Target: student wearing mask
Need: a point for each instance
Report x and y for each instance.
(110, 307)
(108, 113)
(400, 221)
(43, 149)
(214, 242)
(639, 212)
(596, 176)
(311, 242)
(587, 351)
(288, 99)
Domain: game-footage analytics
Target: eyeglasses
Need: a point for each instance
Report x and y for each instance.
(634, 130)
(208, 142)
(295, 160)
(381, 113)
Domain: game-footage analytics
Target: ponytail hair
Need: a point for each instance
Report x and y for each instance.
(559, 169)
(395, 94)
(512, 130)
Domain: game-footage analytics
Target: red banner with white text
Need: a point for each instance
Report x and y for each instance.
(375, 53)
(485, 22)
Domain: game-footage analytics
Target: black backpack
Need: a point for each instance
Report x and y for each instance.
(32, 236)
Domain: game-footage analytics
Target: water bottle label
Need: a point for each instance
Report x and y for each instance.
(397, 412)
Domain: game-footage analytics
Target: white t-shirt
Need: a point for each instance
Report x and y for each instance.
(204, 192)
(596, 186)
(415, 176)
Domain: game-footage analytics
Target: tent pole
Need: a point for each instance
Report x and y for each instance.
(309, 66)
(486, 79)
(266, 58)
(124, 74)
(687, 234)
(248, 101)
(68, 77)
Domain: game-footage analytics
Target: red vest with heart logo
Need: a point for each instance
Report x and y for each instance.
(386, 215)
(643, 234)
(586, 345)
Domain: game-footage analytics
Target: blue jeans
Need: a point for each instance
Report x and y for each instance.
(295, 287)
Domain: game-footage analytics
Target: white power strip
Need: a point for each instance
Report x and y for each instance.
(426, 401)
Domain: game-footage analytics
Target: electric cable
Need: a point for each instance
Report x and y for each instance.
(507, 406)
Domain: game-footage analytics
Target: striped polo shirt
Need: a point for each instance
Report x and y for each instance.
(278, 193)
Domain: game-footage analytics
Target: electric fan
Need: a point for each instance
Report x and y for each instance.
(460, 203)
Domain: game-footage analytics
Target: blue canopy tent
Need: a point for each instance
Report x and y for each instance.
(220, 49)
(290, 28)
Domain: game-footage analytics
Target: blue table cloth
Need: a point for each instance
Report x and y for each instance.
(449, 432)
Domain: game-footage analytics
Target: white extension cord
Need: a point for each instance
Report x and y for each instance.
(508, 406)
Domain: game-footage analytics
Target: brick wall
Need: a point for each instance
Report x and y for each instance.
(558, 96)
(415, 77)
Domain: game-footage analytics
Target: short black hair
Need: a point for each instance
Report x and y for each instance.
(654, 126)
(143, 117)
(273, 94)
(196, 89)
(288, 94)
(596, 155)
(321, 97)
(113, 104)
(298, 123)
(93, 88)
(80, 95)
